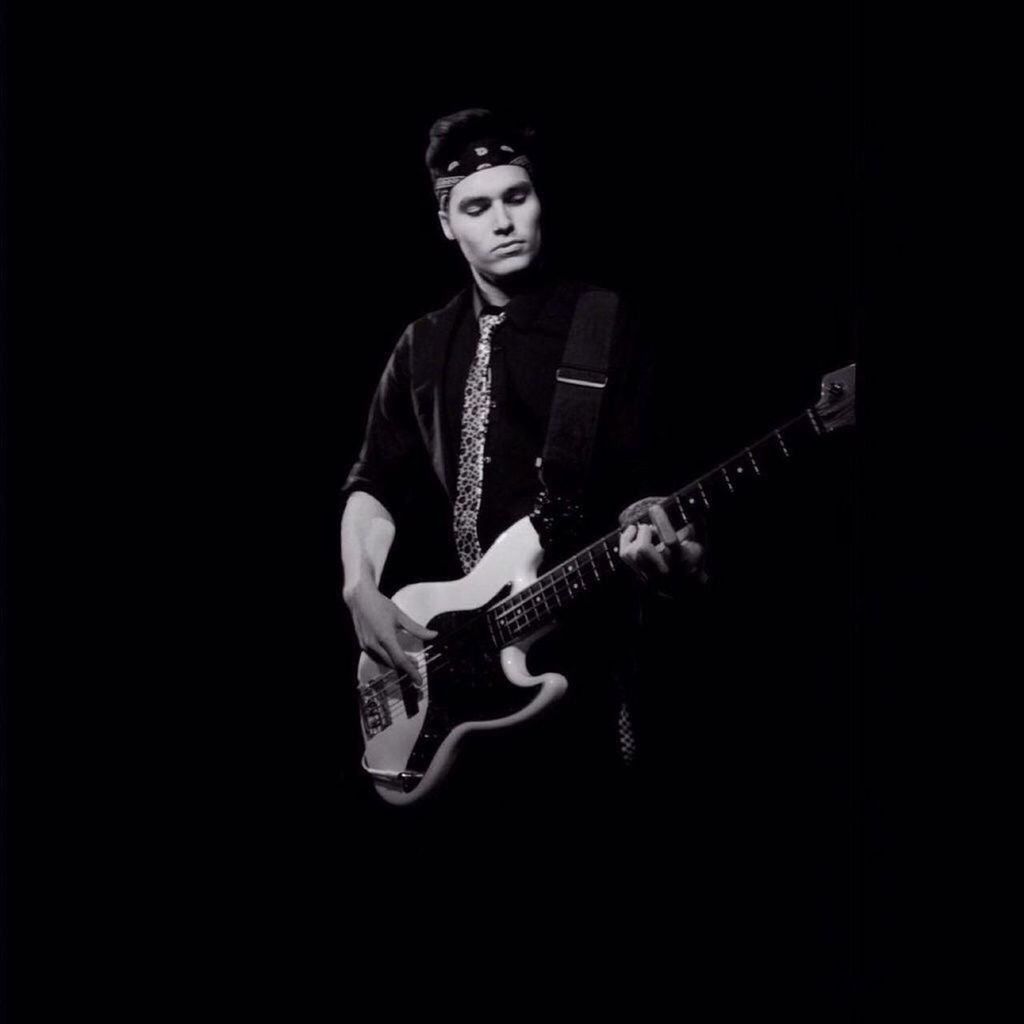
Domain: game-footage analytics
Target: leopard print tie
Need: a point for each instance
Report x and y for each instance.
(475, 408)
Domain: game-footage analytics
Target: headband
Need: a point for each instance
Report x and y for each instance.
(478, 157)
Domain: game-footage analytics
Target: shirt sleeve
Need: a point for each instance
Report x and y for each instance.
(393, 448)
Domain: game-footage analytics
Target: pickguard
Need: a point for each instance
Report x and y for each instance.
(466, 682)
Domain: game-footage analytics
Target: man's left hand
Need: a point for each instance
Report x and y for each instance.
(670, 561)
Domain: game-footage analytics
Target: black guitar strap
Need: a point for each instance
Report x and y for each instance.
(575, 411)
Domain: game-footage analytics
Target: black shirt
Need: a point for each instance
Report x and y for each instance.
(415, 418)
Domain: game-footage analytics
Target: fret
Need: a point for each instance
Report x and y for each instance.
(576, 582)
(742, 473)
(770, 454)
(703, 495)
(556, 581)
(691, 501)
(810, 414)
(682, 511)
(611, 560)
(582, 565)
(800, 435)
(504, 633)
(753, 462)
(782, 443)
(728, 482)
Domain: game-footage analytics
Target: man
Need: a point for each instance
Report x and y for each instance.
(462, 412)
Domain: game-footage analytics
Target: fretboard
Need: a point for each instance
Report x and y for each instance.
(538, 605)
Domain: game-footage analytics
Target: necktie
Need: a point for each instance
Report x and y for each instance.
(476, 405)
(627, 738)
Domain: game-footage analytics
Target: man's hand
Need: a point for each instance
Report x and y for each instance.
(377, 621)
(663, 558)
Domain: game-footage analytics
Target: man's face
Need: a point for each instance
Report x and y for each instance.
(494, 215)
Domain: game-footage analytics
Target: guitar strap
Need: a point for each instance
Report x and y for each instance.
(569, 447)
(564, 467)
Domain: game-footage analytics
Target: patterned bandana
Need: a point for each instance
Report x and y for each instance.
(478, 157)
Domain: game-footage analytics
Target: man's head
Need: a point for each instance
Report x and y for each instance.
(482, 172)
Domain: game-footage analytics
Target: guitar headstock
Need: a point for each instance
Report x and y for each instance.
(835, 408)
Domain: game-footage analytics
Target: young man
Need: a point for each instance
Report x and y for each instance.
(461, 416)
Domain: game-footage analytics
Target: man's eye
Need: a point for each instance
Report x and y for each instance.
(475, 210)
(517, 198)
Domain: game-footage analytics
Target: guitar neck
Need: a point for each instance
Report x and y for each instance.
(538, 605)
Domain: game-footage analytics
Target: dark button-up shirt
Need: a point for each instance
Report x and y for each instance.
(416, 415)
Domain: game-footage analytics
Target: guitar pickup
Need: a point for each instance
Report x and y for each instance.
(410, 691)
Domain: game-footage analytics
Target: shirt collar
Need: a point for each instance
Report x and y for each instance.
(524, 308)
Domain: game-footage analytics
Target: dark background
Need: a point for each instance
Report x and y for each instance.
(229, 229)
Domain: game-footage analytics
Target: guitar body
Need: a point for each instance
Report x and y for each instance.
(471, 685)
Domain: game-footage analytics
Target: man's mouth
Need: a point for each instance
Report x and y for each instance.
(505, 246)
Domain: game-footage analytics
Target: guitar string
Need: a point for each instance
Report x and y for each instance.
(697, 486)
(388, 684)
(547, 584)
(392, 689)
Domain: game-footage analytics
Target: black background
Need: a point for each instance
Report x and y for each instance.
(222, 226)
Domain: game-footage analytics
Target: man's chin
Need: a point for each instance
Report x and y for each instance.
(513, 264)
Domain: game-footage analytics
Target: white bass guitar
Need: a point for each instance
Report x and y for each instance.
(475, 668)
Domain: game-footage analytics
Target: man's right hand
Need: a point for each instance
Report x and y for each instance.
(377, 621)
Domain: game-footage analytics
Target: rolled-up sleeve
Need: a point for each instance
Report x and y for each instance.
(393, 446)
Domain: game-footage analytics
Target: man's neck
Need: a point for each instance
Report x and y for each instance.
(492, 293)
(501, 293)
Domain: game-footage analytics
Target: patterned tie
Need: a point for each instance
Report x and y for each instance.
(476, 405)
(627, 738)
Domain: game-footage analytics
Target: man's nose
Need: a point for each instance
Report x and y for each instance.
(502, 221)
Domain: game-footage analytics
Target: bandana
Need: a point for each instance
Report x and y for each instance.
(478, 157)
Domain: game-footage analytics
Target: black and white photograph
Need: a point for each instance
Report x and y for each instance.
(435, 549)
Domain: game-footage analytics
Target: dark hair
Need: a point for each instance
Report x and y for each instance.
(450, 135)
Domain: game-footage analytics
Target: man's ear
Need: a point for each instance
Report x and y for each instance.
(442, 216)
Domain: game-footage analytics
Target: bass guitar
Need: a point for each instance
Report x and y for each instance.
(475, 668)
